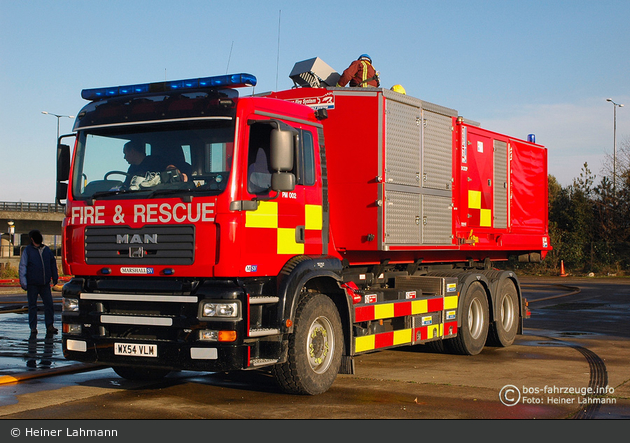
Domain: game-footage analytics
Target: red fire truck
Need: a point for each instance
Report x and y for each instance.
(288, 231)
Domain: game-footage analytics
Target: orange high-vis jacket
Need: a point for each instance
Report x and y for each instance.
(360, 73)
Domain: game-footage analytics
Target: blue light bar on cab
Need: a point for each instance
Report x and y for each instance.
(220, 81)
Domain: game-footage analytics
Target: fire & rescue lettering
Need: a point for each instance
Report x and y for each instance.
(146, 213)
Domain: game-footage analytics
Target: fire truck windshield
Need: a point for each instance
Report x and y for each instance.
(153, 159)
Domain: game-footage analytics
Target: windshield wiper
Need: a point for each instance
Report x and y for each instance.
(90, 200)
(162, 192)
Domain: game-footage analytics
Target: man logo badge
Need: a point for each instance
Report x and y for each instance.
(136, 252)
(136, 239)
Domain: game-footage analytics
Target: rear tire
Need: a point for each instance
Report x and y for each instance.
(504, 329)
(137, 373)
(473, 330)
(315, 347)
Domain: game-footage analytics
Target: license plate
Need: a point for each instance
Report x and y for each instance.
(135, 349)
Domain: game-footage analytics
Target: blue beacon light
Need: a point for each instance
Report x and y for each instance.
(225, 81)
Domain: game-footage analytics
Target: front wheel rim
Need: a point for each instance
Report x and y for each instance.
(320, 345)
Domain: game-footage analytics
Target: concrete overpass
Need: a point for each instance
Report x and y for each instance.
(46, 217)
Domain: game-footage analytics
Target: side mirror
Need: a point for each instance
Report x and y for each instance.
(63, 162)
(282, 149)
(62, 192)
(281, 161)
(282, 181)
(63, 169)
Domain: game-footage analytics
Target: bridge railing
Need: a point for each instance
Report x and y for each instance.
(31, 207)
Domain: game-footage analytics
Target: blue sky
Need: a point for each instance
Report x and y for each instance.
(517, 67)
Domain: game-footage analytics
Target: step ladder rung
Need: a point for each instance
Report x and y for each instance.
(263, 299)
(263, 332)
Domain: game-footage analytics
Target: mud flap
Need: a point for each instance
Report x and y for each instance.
(347, 365)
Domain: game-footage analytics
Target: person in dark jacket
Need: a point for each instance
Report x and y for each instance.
(360, 73)
(37, 268)
(140, 163)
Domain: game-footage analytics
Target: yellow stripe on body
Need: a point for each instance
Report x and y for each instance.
(384, 311)
(365, 343)
(313, 217)
(368, 342)
(434, 331)
(266, 216)
(402, 336)
(450, 302)
(485, 218)
(287, 243)
(419, 307)
(474, 199)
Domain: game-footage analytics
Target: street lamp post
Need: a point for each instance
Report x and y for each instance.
(58, 117)
(11, 232)
(615, 106)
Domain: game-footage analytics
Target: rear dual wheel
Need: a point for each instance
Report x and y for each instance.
(473, 329)
(504, 329)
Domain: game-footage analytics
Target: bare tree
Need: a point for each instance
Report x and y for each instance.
(623, 160)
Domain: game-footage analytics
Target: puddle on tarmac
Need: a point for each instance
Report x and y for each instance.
(18, 352)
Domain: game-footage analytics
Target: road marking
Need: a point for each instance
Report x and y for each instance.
(4, 379)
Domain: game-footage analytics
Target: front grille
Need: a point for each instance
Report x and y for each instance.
(149, 245)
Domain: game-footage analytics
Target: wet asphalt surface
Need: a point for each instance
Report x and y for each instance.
(23, 356)
(575, 322)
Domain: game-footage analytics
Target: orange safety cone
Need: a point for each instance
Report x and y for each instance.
(562, 273)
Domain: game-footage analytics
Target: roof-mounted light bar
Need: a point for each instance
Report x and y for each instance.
(220, 81)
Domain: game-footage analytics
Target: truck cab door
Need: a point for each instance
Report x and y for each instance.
(285, 223)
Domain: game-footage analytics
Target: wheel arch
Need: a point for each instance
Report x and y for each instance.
(322, 274)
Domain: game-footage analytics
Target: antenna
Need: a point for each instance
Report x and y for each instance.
(229, 58)
(278, 58)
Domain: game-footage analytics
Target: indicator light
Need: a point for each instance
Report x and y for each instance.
(222, 336)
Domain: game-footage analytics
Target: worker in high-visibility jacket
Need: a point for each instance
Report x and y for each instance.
(360, 73)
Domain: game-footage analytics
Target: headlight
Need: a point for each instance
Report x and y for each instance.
(70, 305)
(220, 310)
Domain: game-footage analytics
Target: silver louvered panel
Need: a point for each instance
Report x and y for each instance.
(437, 217)
(172, 245)
(402, 212)
(402, 138)
(500, 185)
(437, 157)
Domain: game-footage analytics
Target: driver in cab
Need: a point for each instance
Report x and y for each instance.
(142, 168)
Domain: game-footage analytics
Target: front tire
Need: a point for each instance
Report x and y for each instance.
(473, 330)
(315, 347)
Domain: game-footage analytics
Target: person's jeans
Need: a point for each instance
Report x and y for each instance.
(32, 291)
